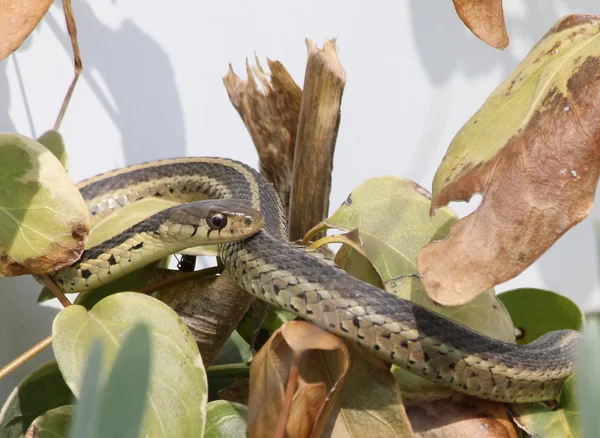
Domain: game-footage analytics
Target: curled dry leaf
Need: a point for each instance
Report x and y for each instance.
(369, 403)
(461, 417)
(44, 221)
(485, 18)
(323, 362)
(17, 21)
(533, 152)
(270, 111)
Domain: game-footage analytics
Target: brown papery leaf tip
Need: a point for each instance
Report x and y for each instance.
(485, 18)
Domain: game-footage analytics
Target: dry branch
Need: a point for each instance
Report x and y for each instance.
(72, 29)
(271, 117)
(315, 141)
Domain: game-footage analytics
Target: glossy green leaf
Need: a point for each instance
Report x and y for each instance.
(485, 314)
(225, 419)
(52, 424)
(588, 388)
(235, 350)
(536, 312)
(178, 391)
(539, 420)
(41, 391)
(43, 218)
(393, 221)
(55, 143)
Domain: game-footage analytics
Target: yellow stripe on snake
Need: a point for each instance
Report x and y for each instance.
(304, 282)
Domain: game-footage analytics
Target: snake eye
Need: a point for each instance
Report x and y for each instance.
(216, 221)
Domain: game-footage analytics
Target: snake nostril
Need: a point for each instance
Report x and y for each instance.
(248, 221)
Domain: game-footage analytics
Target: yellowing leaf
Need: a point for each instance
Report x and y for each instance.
(178, 394)
(17, 21)
(392, 217)
(533, 152)
(485, 18)
(43, 218)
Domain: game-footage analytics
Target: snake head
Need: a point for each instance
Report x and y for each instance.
(221, 220)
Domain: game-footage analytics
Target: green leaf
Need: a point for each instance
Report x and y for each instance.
(52, 424)
(178, 391)
(43, 218)
(539, 420)
(235, 350)
(588, 387)
(125, 393)
(86, 420)
(392, 244)
(485, 314)
(536, 312)
(54, 142)
(41, 391)
(225, 419)
(261, 325)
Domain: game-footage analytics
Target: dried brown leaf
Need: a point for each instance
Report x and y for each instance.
(533, 152)
(461, 417)
(270, 111)
(485, 18)
(370, 403)
(17, 21)
(323, 363)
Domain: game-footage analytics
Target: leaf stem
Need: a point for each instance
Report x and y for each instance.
(33, 351)
(50, 284)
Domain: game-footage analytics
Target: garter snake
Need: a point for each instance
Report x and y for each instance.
(304, 282)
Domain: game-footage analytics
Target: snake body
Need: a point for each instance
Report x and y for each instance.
(304, 282)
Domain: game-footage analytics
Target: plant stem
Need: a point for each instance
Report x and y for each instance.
(33, 351)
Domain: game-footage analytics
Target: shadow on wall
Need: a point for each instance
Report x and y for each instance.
(446, 48)
(23, 323)
(132, 77)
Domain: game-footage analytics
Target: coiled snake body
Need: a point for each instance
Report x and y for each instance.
(304, 282)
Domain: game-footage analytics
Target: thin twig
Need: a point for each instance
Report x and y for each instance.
(33, 351)
(324, 83)
(72, 29)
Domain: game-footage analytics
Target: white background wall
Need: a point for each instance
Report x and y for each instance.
(152, 88)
